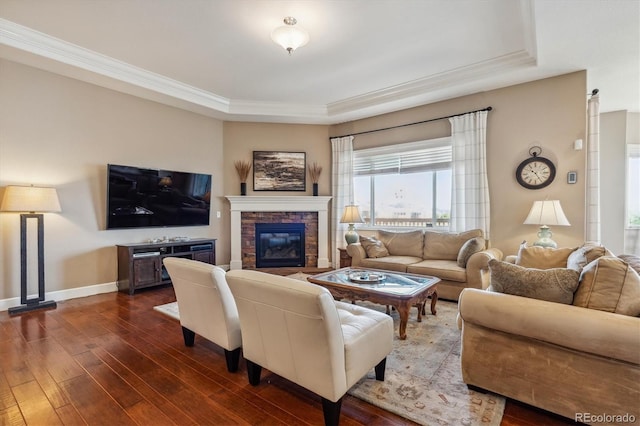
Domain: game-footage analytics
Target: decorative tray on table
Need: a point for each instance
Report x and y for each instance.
(364, 277)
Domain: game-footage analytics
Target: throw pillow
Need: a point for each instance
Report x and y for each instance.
(373, 246)
(609, 284)
(542, 257)
(472, 246)
(553, 285)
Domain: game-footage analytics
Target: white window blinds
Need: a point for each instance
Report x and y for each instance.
(410, 157)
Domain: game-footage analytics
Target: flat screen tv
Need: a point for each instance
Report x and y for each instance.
(142, 198)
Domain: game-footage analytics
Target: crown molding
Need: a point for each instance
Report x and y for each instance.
(433, 83)
(103, 70)
(40, 44)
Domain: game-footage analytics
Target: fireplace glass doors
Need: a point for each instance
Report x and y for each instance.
(279, 244)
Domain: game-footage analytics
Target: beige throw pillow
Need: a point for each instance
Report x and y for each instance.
(542, 257)
(609, 284)
(374, 247)
(553, 285)
(472, 246)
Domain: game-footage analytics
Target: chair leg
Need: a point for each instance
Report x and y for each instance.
(189, 336)
(233, 358)
(380, 368)
(331, 411)
(253, 371)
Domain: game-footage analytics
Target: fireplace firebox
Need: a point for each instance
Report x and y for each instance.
(279, 244)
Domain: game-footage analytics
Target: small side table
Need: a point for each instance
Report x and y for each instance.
(345, 259)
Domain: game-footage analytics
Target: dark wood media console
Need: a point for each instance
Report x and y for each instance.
(140, 265)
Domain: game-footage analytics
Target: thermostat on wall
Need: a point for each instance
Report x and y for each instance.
(572, 177)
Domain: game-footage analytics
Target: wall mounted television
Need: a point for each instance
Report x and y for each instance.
(143, 198)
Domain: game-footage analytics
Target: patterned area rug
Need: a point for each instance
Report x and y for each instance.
(423, 381)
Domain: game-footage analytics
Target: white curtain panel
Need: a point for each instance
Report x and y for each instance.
(593, 172)
(470, 186)
(341, 190)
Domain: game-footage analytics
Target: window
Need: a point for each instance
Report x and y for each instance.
(633, 182)
(405, 185)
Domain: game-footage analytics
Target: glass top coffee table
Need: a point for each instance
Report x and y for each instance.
(398, 289)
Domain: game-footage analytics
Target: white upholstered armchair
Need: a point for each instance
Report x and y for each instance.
(206, 306)
(296, 330)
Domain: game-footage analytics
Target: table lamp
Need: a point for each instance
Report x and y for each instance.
(31, 199)
(351, 216)
(544, 213)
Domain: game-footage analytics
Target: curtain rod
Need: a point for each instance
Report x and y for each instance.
(412, 124)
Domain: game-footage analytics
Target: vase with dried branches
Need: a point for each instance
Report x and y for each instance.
(243, 168)
(314, 174)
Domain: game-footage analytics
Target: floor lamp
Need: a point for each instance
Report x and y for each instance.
(31, 199)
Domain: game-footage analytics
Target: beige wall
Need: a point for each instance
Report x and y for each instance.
(62, 132)
(550, 113)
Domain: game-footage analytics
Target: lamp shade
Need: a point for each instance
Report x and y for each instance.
(547, 212)
(351, 215)
(30, 199)
(289, 36)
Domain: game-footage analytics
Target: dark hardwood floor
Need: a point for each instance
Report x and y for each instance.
(111, 360)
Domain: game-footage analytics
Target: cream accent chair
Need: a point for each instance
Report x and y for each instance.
(206, 306)
(296, 330)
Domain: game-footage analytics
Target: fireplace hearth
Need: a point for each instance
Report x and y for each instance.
(280, 244)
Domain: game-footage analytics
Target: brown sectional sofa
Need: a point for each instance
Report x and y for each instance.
(428, 253)
(579, 359)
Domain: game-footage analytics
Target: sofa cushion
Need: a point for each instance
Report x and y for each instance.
(389, 263)
(553, 285)
(542, 257)
(609, 284)
(373, 246)
(469, 248)
(443, 269)
(446, 245)
(403, 243)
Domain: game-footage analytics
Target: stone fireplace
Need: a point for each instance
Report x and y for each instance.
(309, 212)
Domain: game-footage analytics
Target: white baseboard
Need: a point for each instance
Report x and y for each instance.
(71, 293)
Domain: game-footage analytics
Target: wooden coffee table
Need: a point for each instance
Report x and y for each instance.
(398, 289)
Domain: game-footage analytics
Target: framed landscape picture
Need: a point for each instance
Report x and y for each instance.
(279, 171)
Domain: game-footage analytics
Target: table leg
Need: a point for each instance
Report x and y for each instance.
(403, 311)
(434, 300)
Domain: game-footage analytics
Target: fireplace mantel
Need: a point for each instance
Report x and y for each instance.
(286, 203)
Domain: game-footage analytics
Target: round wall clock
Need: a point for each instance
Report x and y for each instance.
(535, 172)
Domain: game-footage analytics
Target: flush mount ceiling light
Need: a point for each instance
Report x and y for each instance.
(289, 36)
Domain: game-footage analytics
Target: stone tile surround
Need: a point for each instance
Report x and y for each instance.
(248, 238)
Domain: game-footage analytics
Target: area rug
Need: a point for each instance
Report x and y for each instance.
(169, 309)
(423, 381)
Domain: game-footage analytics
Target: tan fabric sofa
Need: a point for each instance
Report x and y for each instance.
(430, 253)
(574, 361)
